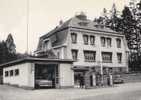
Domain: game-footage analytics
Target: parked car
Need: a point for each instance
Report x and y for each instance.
(43, 83)
(117, 79)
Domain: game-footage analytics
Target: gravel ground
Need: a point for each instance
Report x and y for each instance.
(128, 91)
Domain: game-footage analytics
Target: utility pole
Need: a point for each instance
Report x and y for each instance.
(27, 26)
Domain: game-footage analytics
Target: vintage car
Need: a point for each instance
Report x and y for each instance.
(43, 83)
(117, 79)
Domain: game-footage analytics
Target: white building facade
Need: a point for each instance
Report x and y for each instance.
(26, 72)
(94, 48)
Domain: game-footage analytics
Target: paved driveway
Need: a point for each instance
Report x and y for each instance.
(128, 91)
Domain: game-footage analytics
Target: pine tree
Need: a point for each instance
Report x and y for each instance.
(128, 23)
(110, 19)
(6, 54)
(3, 52)
(114, 20)
(102, 20)
(131, 27)
(10, 44)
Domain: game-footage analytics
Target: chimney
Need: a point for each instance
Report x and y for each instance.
(81, 16)
(60, 22)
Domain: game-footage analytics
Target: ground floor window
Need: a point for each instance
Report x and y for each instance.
(16, 72)
(6, 73)
(11, 72)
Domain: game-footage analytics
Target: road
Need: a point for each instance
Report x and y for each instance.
(128, 91)
(134, 95)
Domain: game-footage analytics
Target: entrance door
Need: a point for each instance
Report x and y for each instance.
(78, 78)
(45, 75)
(91, 80)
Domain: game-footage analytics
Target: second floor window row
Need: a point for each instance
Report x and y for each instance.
(90, 39)
(86, 39)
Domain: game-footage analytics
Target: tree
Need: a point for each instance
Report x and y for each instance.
(3, 52)
(114, 19)
(102, 19)
(7, 50)
(129, 24)
(110, 19)
(10, 44)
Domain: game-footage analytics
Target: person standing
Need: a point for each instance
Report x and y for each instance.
(81, 82)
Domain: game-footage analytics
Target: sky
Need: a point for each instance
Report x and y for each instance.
(44, 15)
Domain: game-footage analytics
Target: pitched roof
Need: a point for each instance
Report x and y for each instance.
(83, 23)
(34, 60)
(78, 22)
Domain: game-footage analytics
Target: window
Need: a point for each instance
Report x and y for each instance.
(85, 37)
(58, 54)
(103, 41)
(74, 37)
(120, 70)
(107, 57)
(119, 57)
(92, 40)
(74, 54)
(89, 56)
(46, 45)
(16, 72)
(53, 38)
(11, 72)
(108, 42)
(110, 70)
(6, 73)
(118, 43)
